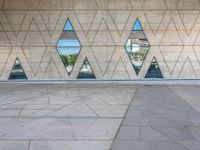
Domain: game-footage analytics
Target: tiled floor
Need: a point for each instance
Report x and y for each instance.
(161, 118)
(61, 116)
(83, 116)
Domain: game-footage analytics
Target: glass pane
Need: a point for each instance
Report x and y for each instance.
(137, 46)
(67, 42)
(69, 56)
(137, 26)
(154, 70)
(137, 50)
(68, 26)
(86, 71)
(68, 47)
(17, 72)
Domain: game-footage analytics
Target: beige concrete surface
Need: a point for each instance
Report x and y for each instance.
(30, 29)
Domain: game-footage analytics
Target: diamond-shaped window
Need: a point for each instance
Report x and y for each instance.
(68, 47)
(154, 70)
(137, 46)
(17, 72)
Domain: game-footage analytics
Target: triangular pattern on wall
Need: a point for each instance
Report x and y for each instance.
(187, 71)
(120, 4)
(50, 4)
(154, 4)
(171, 55)
(68, 46)
(102, 4)
(120, 19)
(86, 23)
(34, 36)
(15, 19)
(154, 19)
(137, 46)
(154, 70)
(34, 56)
(17, 72)
(188, 4)
(85, 4)
(86, 71)
(103, 56)
(172, 4)
(14, 4)
(52, 71)
(189, 18)
(32, 4)
(4, 40)
(50, 19)
(103, 36)
(120, 71)
(171, 36)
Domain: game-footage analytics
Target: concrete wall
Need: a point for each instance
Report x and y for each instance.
(30, 29)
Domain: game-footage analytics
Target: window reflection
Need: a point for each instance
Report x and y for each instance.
(86, 71)
(137, 46)
(154, 70)
(68, 47)
(17, 71)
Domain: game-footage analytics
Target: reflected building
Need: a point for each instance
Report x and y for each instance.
(86, 71)
(137, 46)
(17, 72)
(154, 70)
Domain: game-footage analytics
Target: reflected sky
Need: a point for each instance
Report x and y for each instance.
(68, 43)
(68, 26)
(137, 26)
(68, 50)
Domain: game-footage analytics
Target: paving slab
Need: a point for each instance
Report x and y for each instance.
(81, 116)
(161, 118)
(61, 116)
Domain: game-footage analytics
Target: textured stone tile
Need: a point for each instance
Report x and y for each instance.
(179, 133)
(128, 133)
(196, 132)
(130, 145)
(148, 133)
(14, 145)
(167, 145)
(70, 145)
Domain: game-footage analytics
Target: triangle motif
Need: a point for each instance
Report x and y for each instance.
(15, 20)
(86, 71)
(120, 18)
(154, 70)
(86, 18)
(33, 37)
(68, 26)
(187, 71)
(103, 56)
(52, 71)
(17, 72)
(171, 36)
(103, 36)
(137, 26)
(50, 19)
(154, 18)
(167, 52)
(120, 71)
(189, 18)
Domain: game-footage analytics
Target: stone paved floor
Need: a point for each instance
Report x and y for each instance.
(161, 118)
(75, 116)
